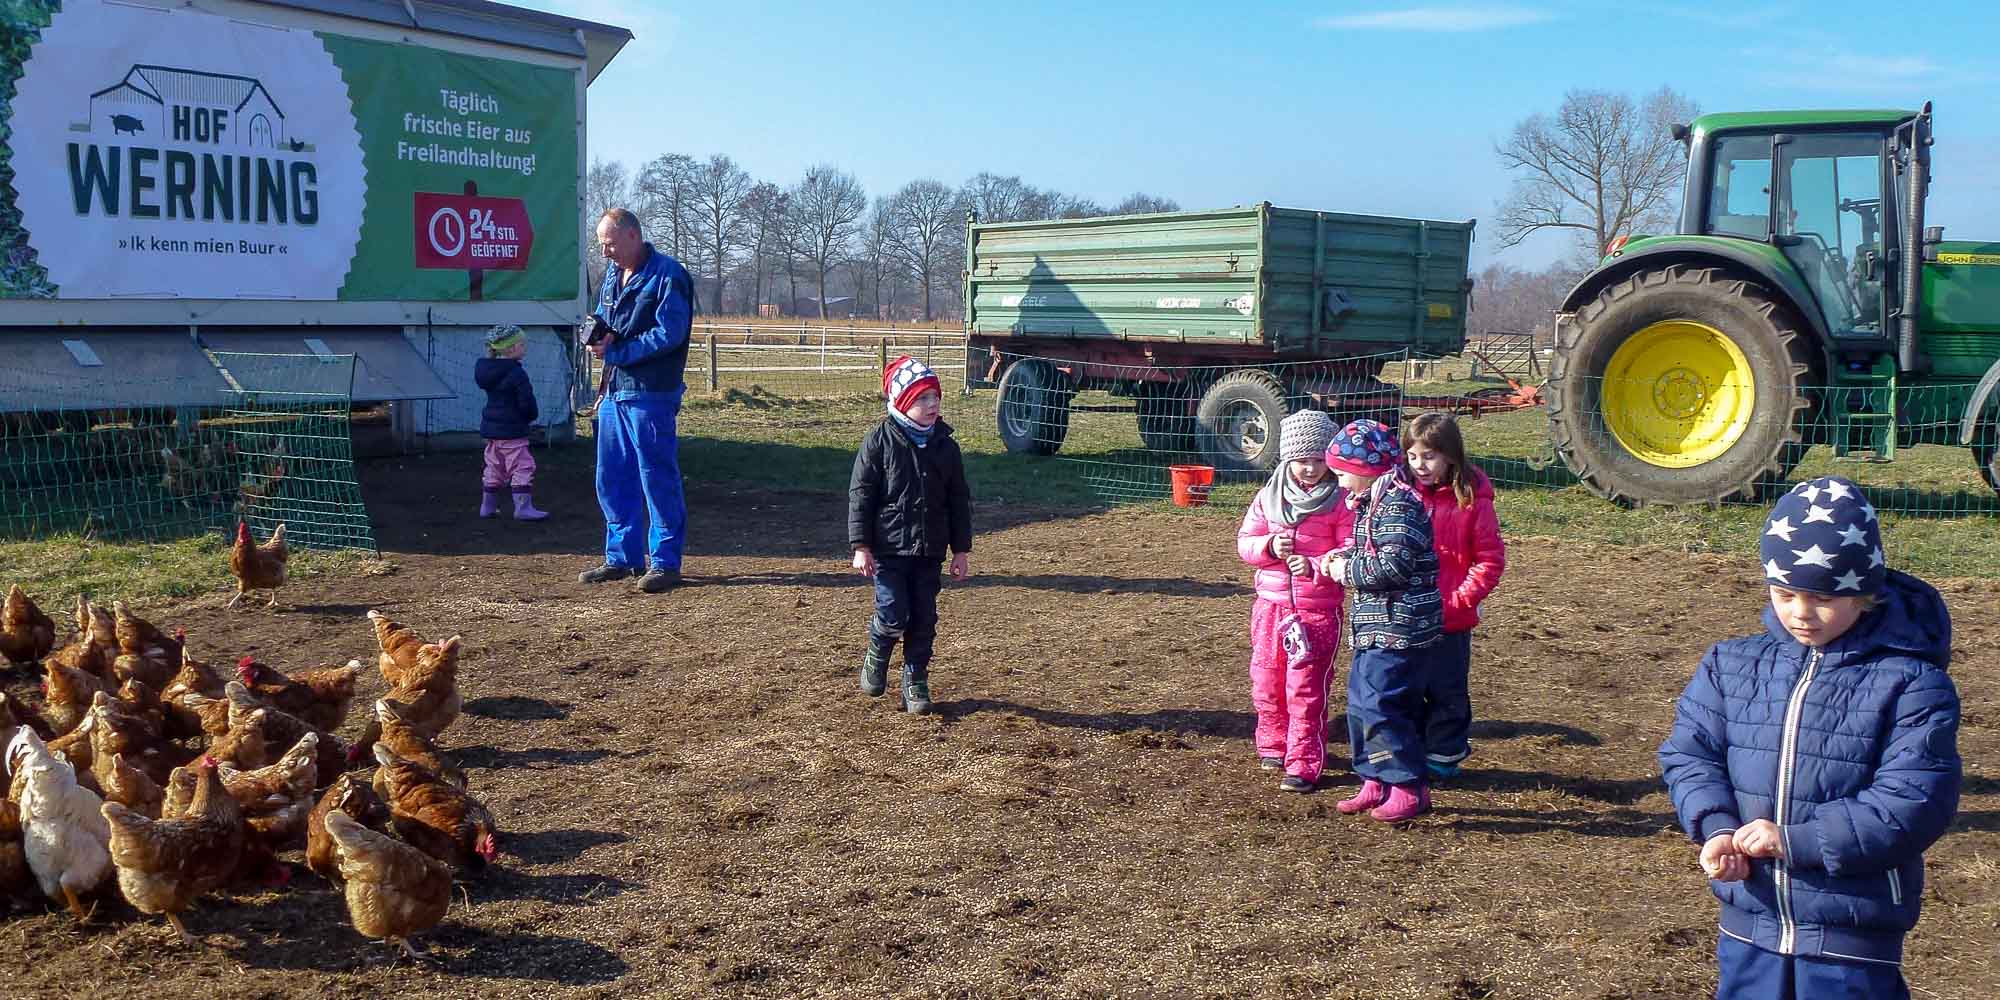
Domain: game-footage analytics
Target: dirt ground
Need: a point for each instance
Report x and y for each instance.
(698, 801)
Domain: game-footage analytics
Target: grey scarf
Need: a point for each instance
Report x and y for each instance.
(1287, 503)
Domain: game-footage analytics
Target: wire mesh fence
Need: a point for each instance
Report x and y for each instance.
(799, 362)
(272, 445)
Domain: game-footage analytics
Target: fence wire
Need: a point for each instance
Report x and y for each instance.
(272, 447)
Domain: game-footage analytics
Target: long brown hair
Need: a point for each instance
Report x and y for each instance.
(1439, 433)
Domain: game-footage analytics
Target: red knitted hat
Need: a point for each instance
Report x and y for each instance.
(905, 379)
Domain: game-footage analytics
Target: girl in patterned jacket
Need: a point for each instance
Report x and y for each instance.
(1471, 557)
(1815, 763)
(1397, 615)
(1295, 625)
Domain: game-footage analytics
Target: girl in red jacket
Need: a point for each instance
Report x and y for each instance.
(1295, 624)
(1471, 557)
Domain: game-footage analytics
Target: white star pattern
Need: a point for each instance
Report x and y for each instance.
(1812, 492)
(1851, 535)
(1781, 527)
(1818, 513)
(1847, 581)
(1875, 557)
(1813, 555)
(1867, 511)
(1837, 490)
(1771, 571)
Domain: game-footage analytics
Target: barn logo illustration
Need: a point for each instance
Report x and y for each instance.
(223, 151)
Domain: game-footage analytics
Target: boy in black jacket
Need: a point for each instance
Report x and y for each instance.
(906, 504)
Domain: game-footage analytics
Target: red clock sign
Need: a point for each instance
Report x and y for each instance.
(472, 233)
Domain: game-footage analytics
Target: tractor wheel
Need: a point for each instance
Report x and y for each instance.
(1236, 424)
(1033, 410)
(1681, 385)
(1166, 416)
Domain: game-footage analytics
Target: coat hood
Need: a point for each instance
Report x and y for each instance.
(1909, 618)
(488, 373)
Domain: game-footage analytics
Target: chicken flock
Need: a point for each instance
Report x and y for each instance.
(148, 767)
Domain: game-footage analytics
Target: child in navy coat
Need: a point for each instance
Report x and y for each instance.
(510, 411)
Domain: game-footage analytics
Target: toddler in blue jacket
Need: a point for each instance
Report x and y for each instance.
(510, 411)
(1815, 763)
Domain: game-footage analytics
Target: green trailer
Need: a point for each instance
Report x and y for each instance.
(1217, 324)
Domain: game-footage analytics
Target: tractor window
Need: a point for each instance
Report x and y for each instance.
(1739, 202)
(1830, 208)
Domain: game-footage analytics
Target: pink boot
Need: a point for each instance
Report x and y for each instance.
(1373, 793)
(524, 507)
(489, 502)
(1406, 802)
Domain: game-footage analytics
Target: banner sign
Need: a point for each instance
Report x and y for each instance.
(177, 154)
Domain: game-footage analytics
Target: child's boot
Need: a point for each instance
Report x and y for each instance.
(524, 507)
(917, 689)
(489, 502)
(1373, 793)
(1406, 802)
(875, 670)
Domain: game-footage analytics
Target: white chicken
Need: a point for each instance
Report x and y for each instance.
(64, 833)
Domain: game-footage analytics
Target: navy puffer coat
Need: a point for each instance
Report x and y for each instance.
(1851, 749)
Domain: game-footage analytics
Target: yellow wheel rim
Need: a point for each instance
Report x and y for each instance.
(1678, 394)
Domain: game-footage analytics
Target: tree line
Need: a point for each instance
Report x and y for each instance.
(751, 243)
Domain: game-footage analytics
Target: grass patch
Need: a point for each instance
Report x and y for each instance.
(54, 570)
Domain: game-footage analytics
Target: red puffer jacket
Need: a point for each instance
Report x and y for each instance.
(1471, 555)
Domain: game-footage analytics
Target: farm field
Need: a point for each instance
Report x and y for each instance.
(698, 802)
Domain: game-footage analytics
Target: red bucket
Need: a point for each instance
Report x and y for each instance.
(1191, 484)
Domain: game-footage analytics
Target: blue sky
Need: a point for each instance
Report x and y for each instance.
(1358, 106)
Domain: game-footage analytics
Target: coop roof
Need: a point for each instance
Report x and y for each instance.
(385, 368)
(77, 368)
(589, 41)
(166, 84)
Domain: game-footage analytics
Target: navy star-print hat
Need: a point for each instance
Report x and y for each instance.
(1823, 537)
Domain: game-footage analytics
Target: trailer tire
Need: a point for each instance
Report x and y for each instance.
(1236, 423)
(1683, 384)
(1166, 413)
(1033, 408)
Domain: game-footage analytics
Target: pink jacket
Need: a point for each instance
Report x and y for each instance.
(1326, 531)
(1470, 554)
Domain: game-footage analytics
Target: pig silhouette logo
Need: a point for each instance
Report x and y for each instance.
(126, 125)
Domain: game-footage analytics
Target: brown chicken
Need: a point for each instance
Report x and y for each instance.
(258, 565)
(399, 644)
(26, 634)
(195, 677)
(139, 637)
(13, 713)
(429, 700)
(409, 743)
(352, 795)
(318, 697)
(283, 729)
(196, 680)
(117, 730)
(442, 821)
(394, 891)
(243, 743)
(144, 699)
(163, 865)
(277, 799)
(130, 787)
(15, 878)
(80, 749)
(66, 695)
(179, 793)
(211, 715)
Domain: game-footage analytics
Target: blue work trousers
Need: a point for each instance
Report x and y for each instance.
(639, 481)
(1751, 973)
(906, 593)
(1447, 714)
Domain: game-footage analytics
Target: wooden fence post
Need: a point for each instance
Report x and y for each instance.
(714, 373)
(882, 352)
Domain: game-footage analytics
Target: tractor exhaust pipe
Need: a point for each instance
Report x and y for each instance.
(1916, 167)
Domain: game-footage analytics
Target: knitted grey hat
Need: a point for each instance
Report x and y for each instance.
(1305, 434)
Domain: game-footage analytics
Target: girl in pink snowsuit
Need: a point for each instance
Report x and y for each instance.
(1295, 625)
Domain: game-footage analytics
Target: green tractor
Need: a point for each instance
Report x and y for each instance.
(1803, 302)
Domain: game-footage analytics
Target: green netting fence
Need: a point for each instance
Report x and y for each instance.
(271, 447)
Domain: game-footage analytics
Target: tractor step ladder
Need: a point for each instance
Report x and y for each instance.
(1864, 421)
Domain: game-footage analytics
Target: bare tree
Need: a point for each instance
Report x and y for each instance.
(764, 208)
(719, 186)
(1508, 299)
(828, 205)
(1001, 199)
(927, 231)
(1141, 203)
(664, 191)
(604, 187)
(1603, 167)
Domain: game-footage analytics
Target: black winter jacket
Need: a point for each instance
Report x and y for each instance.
(510, 399)
(909, 501)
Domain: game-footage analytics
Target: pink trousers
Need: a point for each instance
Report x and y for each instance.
(509, 463)
(1291, 701)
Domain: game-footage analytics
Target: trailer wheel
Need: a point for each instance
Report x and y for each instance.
(1236, 424)
(1681, 385)
(1166, 416)
(1033, 410)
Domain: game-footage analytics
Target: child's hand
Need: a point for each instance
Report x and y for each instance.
(961, 565)
(1333, 566)
(1721, 860)
(1298, 564)
(864, 561)
(1281, 545)
(1760, 839)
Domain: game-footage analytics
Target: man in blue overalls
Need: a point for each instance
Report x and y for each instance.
(647, 300)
